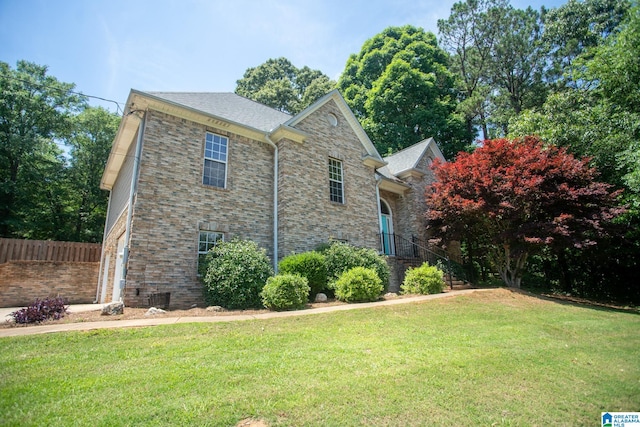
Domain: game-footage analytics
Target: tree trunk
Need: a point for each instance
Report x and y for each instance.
(485, 131)
(510, 266)
(566, 282)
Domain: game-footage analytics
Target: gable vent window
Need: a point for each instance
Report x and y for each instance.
(336, 182)
(215, 160)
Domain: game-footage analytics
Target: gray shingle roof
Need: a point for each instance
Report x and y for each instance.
(385, 172)
(406, 159)
(229, 106)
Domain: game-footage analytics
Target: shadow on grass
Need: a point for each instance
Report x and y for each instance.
(579, 302)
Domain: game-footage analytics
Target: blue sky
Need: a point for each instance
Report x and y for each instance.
(108, 47)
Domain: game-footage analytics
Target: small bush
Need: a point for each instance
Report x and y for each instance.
(358, 284)
(236, 273)
(41, 310)
(323, 247)
(341, 257)
(285, 292)
(426, 279)
(310, 265)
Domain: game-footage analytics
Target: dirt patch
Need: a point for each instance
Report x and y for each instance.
(512, 296)
(250, 422)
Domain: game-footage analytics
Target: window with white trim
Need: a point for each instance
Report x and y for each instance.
(215, 160)
(206, 241)
(336, 182)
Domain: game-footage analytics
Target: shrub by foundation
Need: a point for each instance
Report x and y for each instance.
(310, 265)
(285, 292)
(236, 273)
(41, 310)
(341, 257)
(358, 284)
(426, 279)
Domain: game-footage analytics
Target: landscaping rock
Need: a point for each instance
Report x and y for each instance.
(113, 309)
(215, 308)
(390, 295)
(153, 311)
(320, 297)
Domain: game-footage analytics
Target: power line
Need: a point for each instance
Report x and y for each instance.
(119, 109)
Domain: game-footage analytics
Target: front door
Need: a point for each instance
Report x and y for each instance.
(386, 229)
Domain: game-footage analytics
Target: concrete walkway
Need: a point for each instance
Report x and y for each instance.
(87, 326)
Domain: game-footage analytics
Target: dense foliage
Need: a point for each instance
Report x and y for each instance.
(520, 195)
(46, 193)
(341, 257)
(236, 273)
(592, 110)
(509, 60)
(279, 84)
(310, 265)
(426, 279)
(402, 92)
(358, 284)
(41, 310)
(285, 292)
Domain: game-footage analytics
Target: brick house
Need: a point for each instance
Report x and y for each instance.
(189, 169)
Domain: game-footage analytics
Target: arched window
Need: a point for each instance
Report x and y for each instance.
(384, 208)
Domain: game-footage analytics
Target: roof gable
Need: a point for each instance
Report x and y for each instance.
(373, 157)
(409, 159)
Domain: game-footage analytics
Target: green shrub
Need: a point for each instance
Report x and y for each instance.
(236, 273)
(426, 279)
(358, 284)
(285, 292)
(341, 257)
(323, 247)
(310, 265)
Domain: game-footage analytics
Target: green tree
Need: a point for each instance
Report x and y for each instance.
(279, 84)
(597, 115)
(469, 34)
(90, 142)
(402, 92)
(594, 113)
(616, 67)
(574, 28)
(518, 63)
(35, 111)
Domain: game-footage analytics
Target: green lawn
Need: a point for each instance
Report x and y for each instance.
(491, 358)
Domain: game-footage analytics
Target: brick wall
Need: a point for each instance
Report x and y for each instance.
(172, 206)
(23, 281)
(306, 215)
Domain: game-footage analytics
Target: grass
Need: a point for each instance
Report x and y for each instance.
(491, 358)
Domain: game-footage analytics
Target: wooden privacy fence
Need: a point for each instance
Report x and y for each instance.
(46, 250)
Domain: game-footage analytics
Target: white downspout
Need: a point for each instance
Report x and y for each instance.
(275, 201)
(132, 192)
(104, 238)
(378, 179)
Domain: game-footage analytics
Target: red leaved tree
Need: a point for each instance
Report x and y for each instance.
(519, 196)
